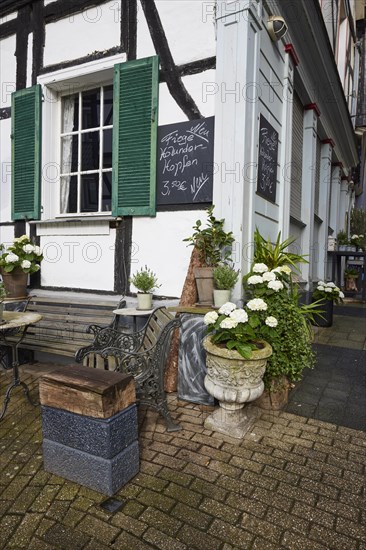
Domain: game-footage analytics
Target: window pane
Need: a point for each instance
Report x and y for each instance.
(89, 192)
(107, 148)
(70, 113)
(69, 194)
(90, 151)
(108, 105)
(107, 192)
(69, 154)
(91, 108)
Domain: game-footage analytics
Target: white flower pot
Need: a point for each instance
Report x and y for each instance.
(221, 297)
(144, 301)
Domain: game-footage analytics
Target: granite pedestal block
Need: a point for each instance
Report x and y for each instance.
(100, 474)
(103, 437)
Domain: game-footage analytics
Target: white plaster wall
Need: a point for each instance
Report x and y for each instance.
(158, 243)
(94, 29)
(8, 17)
(5, 167)
(78, 261)
(189, 29)
(145, 46)
(7, 70)
(169, 111)
(200, 88)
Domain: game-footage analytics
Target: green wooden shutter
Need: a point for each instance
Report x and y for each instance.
(135, 124)
(26, 116)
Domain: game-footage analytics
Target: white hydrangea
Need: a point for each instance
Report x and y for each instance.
(328, 289)
(28, 248)
(286, 269)
(227, 308)
(320, 287)
(332, 285)
(11, 258)
(271, 321)
(210, 318)
(341, 295)
(269, 276)
(25, 264)
(255, 280)
(321, 283)
(257, 304)
(228, 323)
(37, 250)
(259, 268)
(275, 285)
(239, 315)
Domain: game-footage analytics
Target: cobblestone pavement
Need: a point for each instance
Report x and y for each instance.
(293, 482)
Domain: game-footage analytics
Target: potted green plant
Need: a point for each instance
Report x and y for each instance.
(214, 245)
(146, 282)
(323, 298)
(237, 351)
(342, 240)
(270, 279)
(18, 261)
(351, 275)
(225, 278)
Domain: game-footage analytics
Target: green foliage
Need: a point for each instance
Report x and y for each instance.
(225, 277)
(275, 255)
(213, 243)
(2, 292)
(240, 328)
(342, 237)
(22, 254)
(358, 221)
(145, 280)
(351, 273)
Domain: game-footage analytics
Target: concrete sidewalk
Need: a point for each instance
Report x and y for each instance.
(293, 482)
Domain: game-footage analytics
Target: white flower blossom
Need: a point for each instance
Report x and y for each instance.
(37, 250)
(25, 264)
(239, 315)
(210, 318)
(11, 258)
(271, 321)
(227, 308)
(228, 323)
(255, 280)
(28, 248)
(269, 276)
(320, 287)
(341, 295)
(286, 269)
(328, 289)
(332, 285)
(257, 304)
(259, 268)
(321, 283)
(275, 285)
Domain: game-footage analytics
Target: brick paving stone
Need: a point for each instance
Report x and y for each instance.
(24, 501)
(313, 514)
(345, 464)
(154, 483)
(225, 469)
(238, 487)
(352, 485)
(72, 517)
(163, 522)
(98, 529)
(208, 489)
(351, 529)
(262, 544)
(127, 523)
(201, 472)
(162, 541)
(58, 509)
(178, 477)
(249, 505)
(258, 526)
(207, 440)
(82, 503)
(45, 498)
(297, 493)
(126, 541)
(294, 541)
(25, 531)
(331, 539)
(149, 468)
(281, 475)
(61, 536)
(38, 544)
(287, 521)
(245, 464)
(187, 496)
(258, 480)
(220, 510)
(338, 508)
(191, 516)
(198, 539)
(170, 461)
(193, 457)
(150, 498)
(233, 535)
(304, 471)
(319, 488)
(188, 444)
(280, 501)
(43, 526)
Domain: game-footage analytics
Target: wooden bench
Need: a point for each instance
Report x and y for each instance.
(142, 354)
(64, 325)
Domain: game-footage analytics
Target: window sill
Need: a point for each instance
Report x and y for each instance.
(82, 219)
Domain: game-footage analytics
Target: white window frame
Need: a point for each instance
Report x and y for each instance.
(55, 85)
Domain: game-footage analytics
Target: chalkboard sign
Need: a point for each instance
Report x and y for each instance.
(185, 162)
(267, 160)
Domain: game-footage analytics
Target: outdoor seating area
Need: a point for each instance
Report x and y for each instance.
(292, 481)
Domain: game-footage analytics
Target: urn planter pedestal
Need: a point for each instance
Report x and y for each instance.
(233, 381)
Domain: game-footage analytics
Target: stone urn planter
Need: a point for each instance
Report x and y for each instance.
(144, 300)
(233, 381)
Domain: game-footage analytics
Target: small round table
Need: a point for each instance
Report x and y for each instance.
(133, 312)
(15, 326)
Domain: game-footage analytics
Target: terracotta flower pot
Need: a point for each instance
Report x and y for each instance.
(15, 283)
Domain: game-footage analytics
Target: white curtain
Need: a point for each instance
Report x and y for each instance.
(66, 150)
